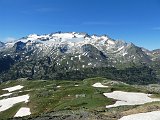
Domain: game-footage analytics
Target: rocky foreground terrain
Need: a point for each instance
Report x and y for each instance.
(93, 99)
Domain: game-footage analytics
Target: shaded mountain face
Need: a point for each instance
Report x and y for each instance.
(1, 44)
(55, 54)
(156, 55)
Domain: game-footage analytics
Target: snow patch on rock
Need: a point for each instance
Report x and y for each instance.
(59, 86)
(99, 85)
(9, 102)
(23, 112)
(155, 115)
(111, 42)
(14, 88)
(129, 98)
(5, 95)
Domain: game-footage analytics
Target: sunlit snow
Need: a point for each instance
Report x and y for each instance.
(99, 85)
(155, 115)
(9, 102)
(14, 88)
(23, 112)
(129, 98)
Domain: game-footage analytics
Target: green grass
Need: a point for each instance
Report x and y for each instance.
(46, 97)
(126, 88)
(66, 98)
(156, 95)
(3, 91)
(9, 113)
(91, 81)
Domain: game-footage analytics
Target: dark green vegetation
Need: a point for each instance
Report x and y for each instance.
(45, 96)
(54, 99)
(5, 63)
(44, 69)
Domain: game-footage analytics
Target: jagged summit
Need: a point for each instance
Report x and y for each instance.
(71, 51)
(73, 43)
(69, 38)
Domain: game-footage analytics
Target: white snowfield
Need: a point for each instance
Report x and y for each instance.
(23, 112)
(5, 95)
(11, 89)
(129, 98)
(99, 85)
(155, 115)
(9, 102)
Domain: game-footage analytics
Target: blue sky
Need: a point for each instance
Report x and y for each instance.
(136, 21)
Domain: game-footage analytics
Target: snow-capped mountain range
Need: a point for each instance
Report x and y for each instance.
(73, 50)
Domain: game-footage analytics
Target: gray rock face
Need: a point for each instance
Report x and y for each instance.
(34, 55)
(1, 44)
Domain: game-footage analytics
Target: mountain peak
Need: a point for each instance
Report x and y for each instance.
(70, 51)
(1, 44)
(33, 35)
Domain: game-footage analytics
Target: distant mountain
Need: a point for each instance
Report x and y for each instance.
(53, 56)
(1, 44)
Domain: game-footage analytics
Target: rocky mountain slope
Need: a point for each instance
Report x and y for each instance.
(77, 55)
(1, 44)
